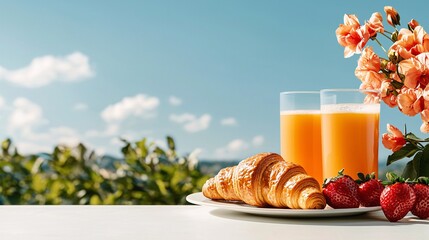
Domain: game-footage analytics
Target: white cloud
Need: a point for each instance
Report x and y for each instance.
(237, 145)
(80, 106)
(24, 120)
(191, 123)
(28, 147)
(198, 124)
(228, 121)
(54, 135)
(175, 101)
(65, 135)
(140, 105)
(233, 149)
(47, 69)
(25, 114)
(258, 141)
(186, 117)
(30, 141)
(116, 142)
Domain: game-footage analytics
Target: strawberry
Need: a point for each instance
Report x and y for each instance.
(421, 207)
(397, 199)
(369, 190)
(341, 191)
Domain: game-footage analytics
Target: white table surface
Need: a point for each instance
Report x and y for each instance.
(191, 222)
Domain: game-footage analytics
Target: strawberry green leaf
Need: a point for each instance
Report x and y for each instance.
(424, 180)
(392, 178)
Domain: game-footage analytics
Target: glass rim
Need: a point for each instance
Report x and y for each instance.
(349, 90)
(299, 92)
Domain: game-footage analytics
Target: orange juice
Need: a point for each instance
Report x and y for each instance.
(350, 139)
(300, 140)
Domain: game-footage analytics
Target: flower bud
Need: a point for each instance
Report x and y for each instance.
(384, 63)
(392, 16)
(393, 56)
(394, 139)
(413, 24)
(395, 36)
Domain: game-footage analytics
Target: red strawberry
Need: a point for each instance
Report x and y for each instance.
(397, 200)
(421, 207)
(369, 190)
(341, 191)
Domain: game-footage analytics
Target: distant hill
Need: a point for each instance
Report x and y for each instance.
(212, 167)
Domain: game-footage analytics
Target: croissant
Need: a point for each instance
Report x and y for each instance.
(264, 180)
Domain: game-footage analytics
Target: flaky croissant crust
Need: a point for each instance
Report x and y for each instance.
(264, 180)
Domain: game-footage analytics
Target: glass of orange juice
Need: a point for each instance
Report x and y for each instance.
(300, 137)
(350, 131)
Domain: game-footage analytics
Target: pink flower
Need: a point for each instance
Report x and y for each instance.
(392, 15)
(352, 36)
(375, 24)
(410, 101)
(368, 70)
(413, 24)
(393, 140)
(425, 118)
(416, 71)
(410, 43)
(386, 95)
(426, 96)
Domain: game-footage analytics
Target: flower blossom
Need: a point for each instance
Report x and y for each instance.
(392, 16)
(375, 24)
(352, 36)
(416, 71)
(368, 70)
(410, 43)
(410, 101)
(386, 95)
(425, 118)
(394, 140)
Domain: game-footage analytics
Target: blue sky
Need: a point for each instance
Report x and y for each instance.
(208, 73)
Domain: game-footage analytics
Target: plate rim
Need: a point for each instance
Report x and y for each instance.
(199, 199)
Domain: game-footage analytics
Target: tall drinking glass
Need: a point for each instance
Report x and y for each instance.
(350, 130)
(300, 130)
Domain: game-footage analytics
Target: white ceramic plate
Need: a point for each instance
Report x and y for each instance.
(199, 199)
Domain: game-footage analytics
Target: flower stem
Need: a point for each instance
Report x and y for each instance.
(417, 145)
(387, 37)
(379, 43)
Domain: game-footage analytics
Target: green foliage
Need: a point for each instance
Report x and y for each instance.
(416, 149)
(147, 174)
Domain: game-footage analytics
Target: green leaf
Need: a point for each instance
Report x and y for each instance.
(171, 144)
(5, 145)
(409, 171)
(161, 186)
(411, 136)
(407, 151)
(159, 151)
(142, 148)
(95, 200)
(423, 168)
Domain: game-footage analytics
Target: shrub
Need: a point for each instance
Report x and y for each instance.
(146, 174)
